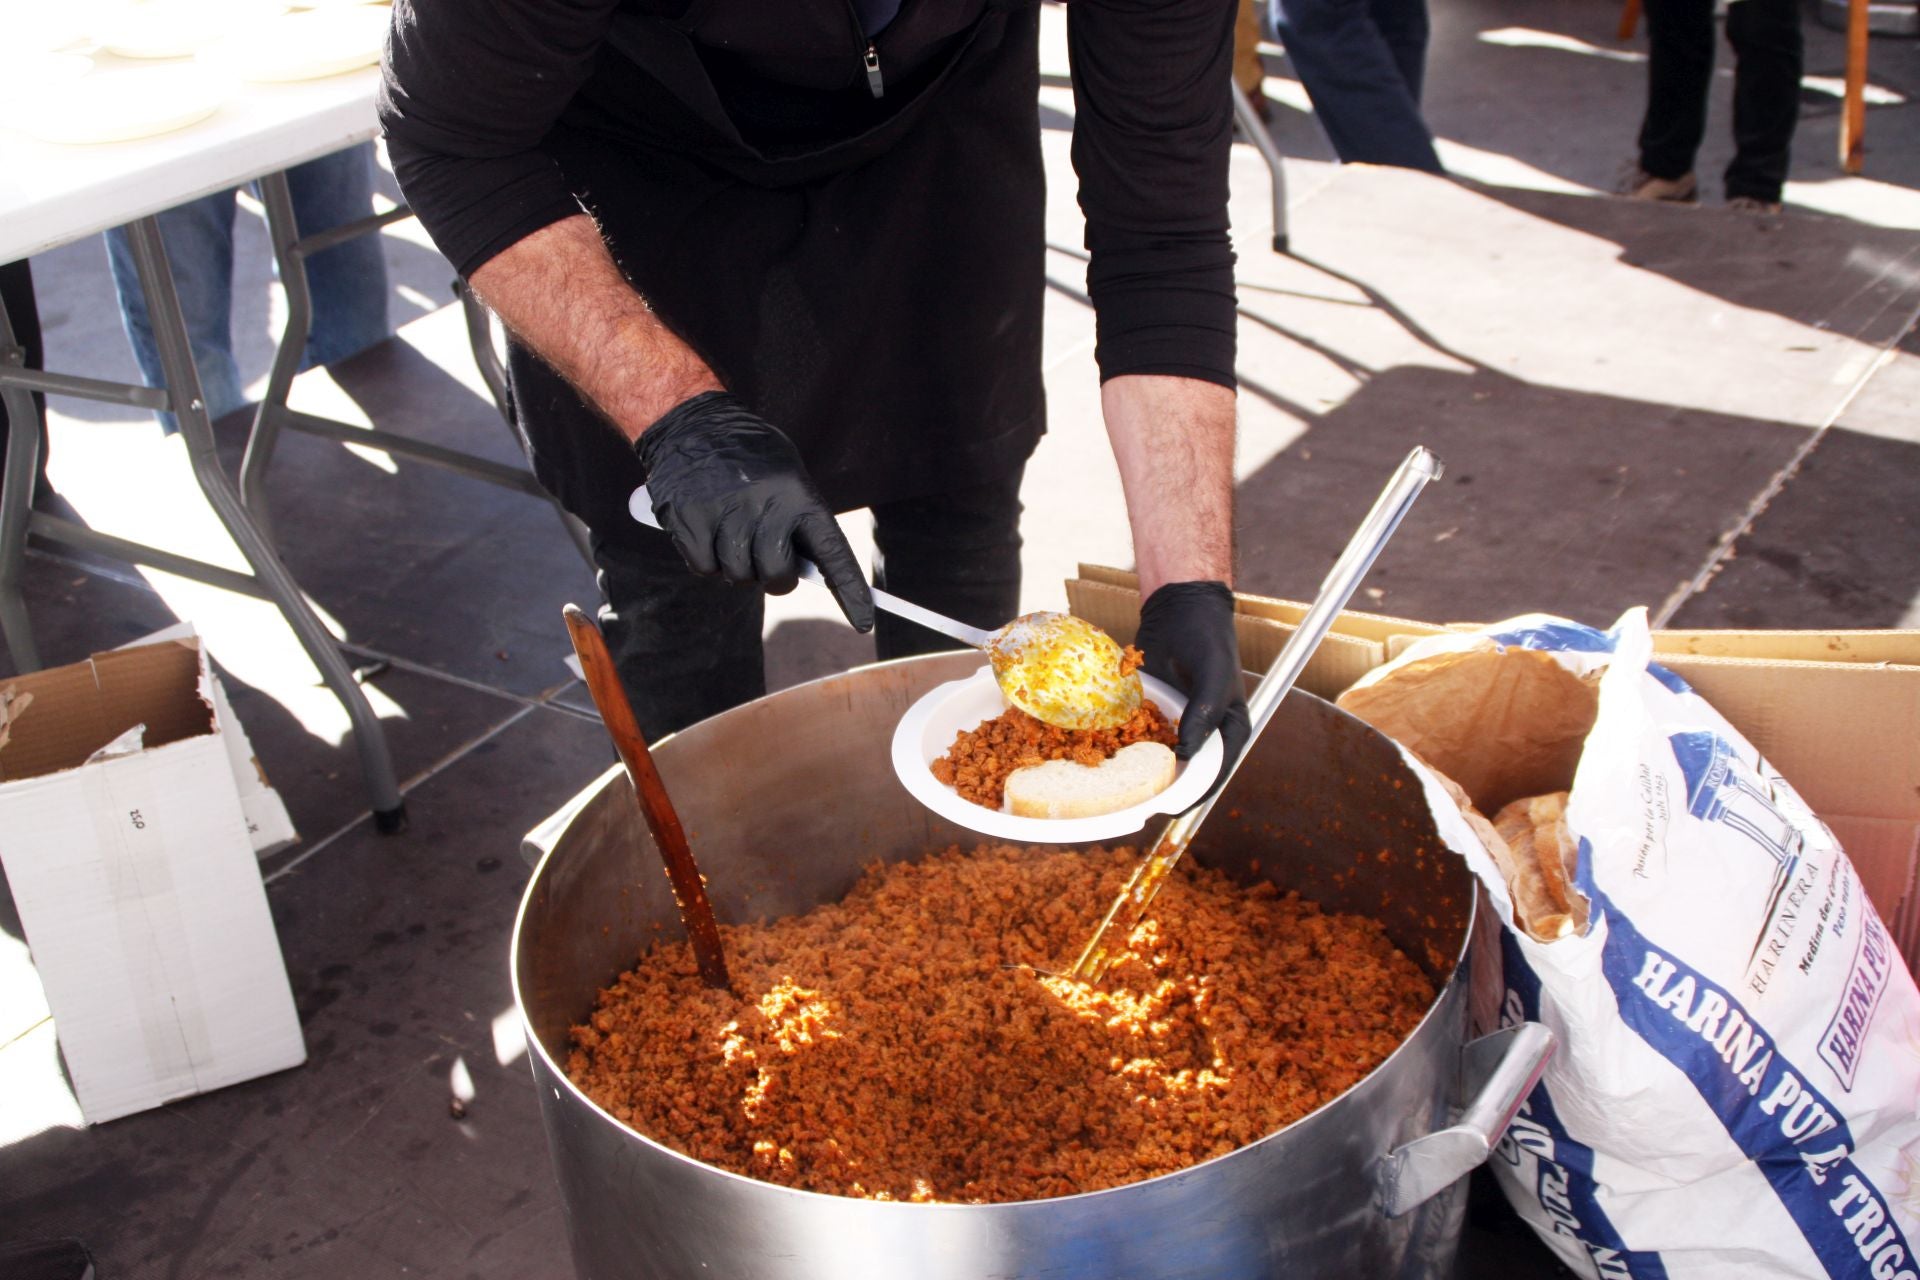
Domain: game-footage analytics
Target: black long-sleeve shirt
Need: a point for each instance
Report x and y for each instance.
(473, 86)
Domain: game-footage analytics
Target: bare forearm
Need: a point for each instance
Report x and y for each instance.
(1173, 440)
(559, 291)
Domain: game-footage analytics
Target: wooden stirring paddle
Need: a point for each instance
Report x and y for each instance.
(616, 712)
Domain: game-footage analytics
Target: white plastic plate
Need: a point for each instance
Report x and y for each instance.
(26, 73)
(136, 102)
(308, 45)
(160, 29)
(926, 731)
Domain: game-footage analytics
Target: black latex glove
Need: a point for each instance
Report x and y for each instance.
(736, 498)
(1186, 633)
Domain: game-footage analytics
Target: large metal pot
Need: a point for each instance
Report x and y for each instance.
(786, 799)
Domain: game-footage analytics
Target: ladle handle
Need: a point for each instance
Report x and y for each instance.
(1130, 906)
(640, 507)
(616, 712)
(1341, 582)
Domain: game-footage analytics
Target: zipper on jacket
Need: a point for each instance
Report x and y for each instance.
(869, 54)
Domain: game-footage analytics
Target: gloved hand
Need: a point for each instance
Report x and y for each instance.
(1186, 633)
(736, 498)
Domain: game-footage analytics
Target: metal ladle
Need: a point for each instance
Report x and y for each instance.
(1130, 906)
(1059, 669)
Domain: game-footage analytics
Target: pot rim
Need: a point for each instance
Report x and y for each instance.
(536, 1047)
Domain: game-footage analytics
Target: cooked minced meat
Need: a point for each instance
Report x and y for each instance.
(906, 1044)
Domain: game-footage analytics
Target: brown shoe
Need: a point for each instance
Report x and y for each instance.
(1638, 184)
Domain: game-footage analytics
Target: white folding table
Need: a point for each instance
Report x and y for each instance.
(51, 195)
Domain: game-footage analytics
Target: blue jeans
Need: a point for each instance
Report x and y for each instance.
(1362, 63)
(348, 282)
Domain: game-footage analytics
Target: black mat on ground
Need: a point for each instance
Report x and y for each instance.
(1839, 548)
(76, 613)
(439, 568)
(1829, 273)
(1554, 500)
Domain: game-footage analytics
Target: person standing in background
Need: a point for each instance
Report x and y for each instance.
(1248, 71)
(1768, 52)
(1363, 63)
(348, 282)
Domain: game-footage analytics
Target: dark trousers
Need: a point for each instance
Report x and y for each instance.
(1363, 63)
(1767, 50)
(689, 647)
(16, 290)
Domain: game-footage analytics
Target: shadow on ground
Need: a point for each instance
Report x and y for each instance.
(1859, 281)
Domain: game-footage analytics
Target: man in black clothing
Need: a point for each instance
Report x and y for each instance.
(698, 220)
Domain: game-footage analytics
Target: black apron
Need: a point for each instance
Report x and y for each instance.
(875, 293)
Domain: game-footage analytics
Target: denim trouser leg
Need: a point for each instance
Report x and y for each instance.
(348, 282)
(199, 240)
(1353, 70)
(1404, 25)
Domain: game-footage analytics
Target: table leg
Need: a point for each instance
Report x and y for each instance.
(283, 229)
(183, 383)
(22, 464)
(1256, 131)
(480, 338)
(273, 416)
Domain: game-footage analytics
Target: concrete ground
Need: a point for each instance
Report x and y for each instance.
(1701, 412)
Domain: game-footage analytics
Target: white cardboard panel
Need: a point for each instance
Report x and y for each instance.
(268, 825)
(148, 923)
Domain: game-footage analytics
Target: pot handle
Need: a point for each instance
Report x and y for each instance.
(1500, 1070)
(539, 842)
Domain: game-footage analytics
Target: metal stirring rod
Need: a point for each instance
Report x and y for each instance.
(1130, 906)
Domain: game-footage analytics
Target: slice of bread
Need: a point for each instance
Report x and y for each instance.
(1545, 857)
(1064, 789)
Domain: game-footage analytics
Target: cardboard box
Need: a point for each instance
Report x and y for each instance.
(268, 825)
(1838, 713)
(127, 850)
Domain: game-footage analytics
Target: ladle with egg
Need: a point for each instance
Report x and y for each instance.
(1055, 667)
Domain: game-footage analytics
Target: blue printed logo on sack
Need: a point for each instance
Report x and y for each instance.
(1724, 788)
(1571, 637)
(1721, 787)
(1561, 1178)
(1873, 959)
(1797, 1139)
(1557, 637)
